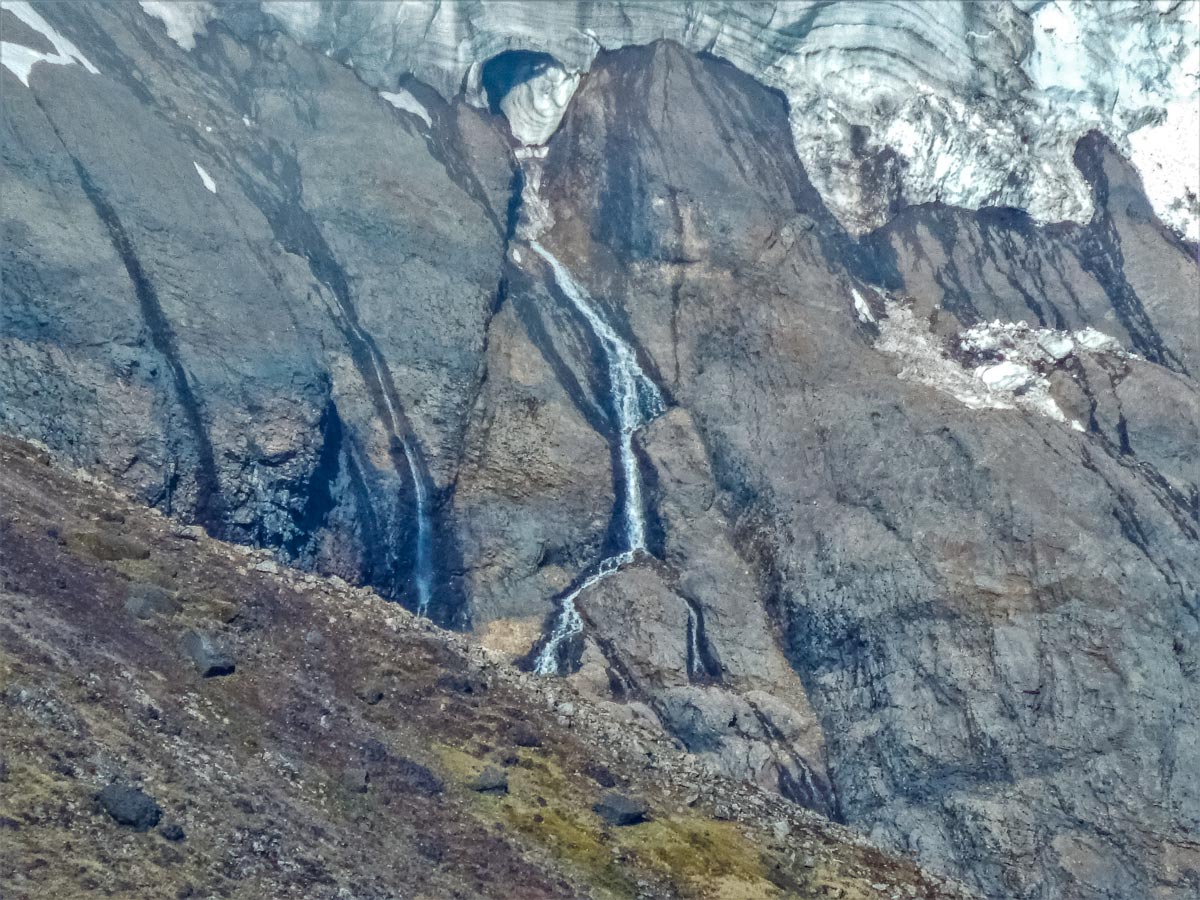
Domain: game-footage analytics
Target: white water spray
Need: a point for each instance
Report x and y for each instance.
(636, 401)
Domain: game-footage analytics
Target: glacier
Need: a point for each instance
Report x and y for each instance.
(891, 104)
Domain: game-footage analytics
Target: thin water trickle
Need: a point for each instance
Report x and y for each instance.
(694, 661)
(423, 571)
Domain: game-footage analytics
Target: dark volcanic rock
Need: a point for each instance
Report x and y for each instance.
(173, 832)
(967, 595)
(129, 806)
(619, 809)
(315, 262)
(209, 654)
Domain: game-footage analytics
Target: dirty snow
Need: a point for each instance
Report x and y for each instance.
(205, 177)
(402, 99)
(1021, 341)
(1005, 364)
(861, 309)
(20, 59)
(184, 19)
(924, 361)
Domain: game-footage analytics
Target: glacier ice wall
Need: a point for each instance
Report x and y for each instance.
(892, 103)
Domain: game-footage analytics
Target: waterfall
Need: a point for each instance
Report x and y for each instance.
(424, 567)
(636, 400)
(423, 573)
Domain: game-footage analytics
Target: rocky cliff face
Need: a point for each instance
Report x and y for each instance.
(912, 538)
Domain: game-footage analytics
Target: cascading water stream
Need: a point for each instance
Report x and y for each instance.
(423, 572)
(636, 400)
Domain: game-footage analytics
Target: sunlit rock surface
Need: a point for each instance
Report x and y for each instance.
(922, 516)
(969, 104)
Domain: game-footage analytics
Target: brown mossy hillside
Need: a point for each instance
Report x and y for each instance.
(337, 759)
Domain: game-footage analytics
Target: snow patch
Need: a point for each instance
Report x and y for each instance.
(19, 59)
(209, 184)
(1167, 154)
(184, 19)
(999, 365)
(403, 100)
(861, 309)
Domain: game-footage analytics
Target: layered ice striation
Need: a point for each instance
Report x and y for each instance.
(970, 104)
(535, 107)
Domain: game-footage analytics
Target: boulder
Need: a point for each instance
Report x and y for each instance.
(144, 601)
(621, 809)
(491, 781)
(210, 655)
(524, 736)
(129, 806)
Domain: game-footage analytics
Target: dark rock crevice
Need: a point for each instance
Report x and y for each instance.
(299, 234)
(207, 509)
(1100, 254)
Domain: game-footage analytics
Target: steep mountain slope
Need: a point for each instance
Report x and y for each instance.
(341, 756)
(912, 536)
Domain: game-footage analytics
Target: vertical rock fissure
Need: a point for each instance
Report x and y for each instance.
(208, 492)
(702, 665)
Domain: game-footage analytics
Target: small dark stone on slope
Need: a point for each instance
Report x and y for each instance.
(211, 656)
(524, 736)
(130, 806)
(491, 781)
(374, 751)
(459, 683)
(356, 780)
(601, 775)
(173, 832)
(370, 694)
(146, 600)
(618, 809)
